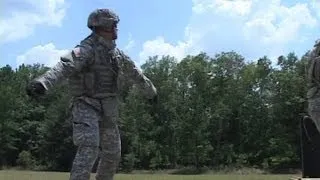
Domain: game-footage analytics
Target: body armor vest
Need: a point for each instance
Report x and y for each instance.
(99, 79)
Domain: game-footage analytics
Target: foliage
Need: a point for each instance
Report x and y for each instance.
(212, 112)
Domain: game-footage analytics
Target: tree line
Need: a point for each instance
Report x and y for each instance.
(212, 112)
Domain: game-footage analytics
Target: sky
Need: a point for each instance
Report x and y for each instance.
(40, 31)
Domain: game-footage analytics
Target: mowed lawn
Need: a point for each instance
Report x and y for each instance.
(29, 175)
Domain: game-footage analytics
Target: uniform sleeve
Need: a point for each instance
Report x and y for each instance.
(71, 63)
(133, 75)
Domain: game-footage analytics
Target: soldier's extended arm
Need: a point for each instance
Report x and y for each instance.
(135, 76)
(70, 63)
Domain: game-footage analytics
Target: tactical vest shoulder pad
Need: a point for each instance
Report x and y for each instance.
(68, 57)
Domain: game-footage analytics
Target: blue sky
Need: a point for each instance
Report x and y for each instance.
(42, 30)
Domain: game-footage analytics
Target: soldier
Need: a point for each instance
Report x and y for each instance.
(310, 124)
(313, 93)
(94, 69)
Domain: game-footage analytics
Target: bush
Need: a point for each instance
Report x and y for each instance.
(26, 160)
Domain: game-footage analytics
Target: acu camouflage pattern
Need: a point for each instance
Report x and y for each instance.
(97, 63)
(86, 136)
(96, 134)
(99, 78)
(313, 93)
(103, 18)
(94, 70)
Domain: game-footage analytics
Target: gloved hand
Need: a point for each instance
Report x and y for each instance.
(35, 89)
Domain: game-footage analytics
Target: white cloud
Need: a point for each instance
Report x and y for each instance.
(251, 27)
(315, 4)
(21, 17)
(236, 7)
(43, 54)
(265, 27)
(158, 46)
(131, 43)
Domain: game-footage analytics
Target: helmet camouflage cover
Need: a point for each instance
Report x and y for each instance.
(103, 18)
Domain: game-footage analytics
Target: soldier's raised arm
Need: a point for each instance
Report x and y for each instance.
(132, 74)
(72, 62)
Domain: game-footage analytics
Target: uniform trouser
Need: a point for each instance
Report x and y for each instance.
(310, 149)
(314, 109)
(95, 133)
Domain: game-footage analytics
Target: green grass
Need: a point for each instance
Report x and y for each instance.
(31, 175)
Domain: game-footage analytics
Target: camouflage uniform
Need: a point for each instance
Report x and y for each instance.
(94, 69)
(313, 93)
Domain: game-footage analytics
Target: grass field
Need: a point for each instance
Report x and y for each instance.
(30, 175)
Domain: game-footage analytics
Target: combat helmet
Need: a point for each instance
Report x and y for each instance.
(103, 18)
